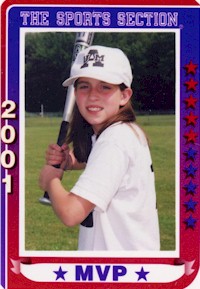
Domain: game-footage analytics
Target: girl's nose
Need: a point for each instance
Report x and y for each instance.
(93, 93)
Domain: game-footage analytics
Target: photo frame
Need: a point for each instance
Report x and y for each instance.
(33, 268)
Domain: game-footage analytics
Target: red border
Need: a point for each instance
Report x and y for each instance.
(108, 2)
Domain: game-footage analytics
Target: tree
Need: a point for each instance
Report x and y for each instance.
(156, 80)
(48, 63)
(152, 56)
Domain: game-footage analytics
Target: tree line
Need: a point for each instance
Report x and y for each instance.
(48, 57)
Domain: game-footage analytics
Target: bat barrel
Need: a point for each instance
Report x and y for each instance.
(82, 41)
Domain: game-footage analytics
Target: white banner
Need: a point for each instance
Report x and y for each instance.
(123, 273)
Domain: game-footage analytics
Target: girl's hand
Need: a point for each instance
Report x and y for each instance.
(47, 174)
(59, 155)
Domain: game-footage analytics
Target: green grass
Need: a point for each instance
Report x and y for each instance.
(161, 131)
(44, 231)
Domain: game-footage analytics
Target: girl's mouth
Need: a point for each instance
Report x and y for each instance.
(94, 108)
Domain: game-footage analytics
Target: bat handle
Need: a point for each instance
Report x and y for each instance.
(62, 133)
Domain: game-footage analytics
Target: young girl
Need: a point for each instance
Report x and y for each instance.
(114, 199)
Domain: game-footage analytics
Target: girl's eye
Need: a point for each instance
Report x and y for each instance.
(82, 86)
(105, 87)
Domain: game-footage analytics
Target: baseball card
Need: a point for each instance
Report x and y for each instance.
(100, 148)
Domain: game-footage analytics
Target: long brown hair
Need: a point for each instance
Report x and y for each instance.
(80, 131)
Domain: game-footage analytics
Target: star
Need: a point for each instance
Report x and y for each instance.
(142, 274)
(190, 188)
(190, 222)
(191, 84)
(191, 67)
(190, 171)
(190, 136)
(190, 101)
(191, 119)
(190, 154)
(60, 273)
(190, 205)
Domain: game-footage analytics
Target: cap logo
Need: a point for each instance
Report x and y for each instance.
(94, 58)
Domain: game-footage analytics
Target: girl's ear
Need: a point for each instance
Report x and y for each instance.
(125, 96)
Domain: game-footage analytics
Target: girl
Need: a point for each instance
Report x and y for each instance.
(114, 199)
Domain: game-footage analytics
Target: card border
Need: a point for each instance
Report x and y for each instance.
(182, 75)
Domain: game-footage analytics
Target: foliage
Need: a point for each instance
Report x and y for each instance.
(152, 56)
(48, 61)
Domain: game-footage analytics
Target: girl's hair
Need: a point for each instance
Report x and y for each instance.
(81, 131)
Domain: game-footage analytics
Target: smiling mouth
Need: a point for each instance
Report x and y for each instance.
(94, 108)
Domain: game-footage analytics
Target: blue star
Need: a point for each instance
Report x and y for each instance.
(190, 205)
(60, 273)
(190, 154)
(190, 222)
(190, 188)
(142, 274)
(190, 171)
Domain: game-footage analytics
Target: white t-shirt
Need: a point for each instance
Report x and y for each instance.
(119, 180)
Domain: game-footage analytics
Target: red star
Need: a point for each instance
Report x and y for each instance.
(191, 68)
(191, 119)
(191, 84)
(191, 136)
(190, 101)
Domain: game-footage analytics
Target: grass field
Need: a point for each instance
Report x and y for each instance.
(43, 231)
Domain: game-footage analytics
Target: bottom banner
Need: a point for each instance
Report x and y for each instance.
(126, 273)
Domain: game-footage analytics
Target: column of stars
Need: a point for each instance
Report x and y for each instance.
(191, 138)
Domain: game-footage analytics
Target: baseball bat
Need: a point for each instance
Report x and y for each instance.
(82, 41)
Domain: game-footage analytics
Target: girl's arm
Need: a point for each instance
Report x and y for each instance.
(70, 208)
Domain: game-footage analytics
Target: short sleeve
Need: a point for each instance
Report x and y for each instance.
(101, 179)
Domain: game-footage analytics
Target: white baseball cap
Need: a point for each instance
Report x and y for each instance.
(103, 63)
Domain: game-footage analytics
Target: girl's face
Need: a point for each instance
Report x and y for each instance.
(98, 101)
